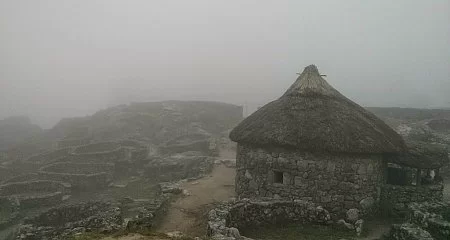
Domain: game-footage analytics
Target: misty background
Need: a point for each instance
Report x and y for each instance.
(71, 58)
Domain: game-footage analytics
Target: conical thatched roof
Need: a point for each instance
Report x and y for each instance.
(422, 155)
(314, 116)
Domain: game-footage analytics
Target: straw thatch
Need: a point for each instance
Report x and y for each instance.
(422, 155)
(314, 116)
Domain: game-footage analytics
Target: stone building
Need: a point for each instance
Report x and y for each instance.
(314, 144)
(414, 176)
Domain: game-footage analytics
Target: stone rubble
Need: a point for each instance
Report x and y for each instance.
(64, 221)
(225, 220)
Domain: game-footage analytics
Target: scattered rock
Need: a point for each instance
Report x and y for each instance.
(367, 203)
(186, 192)
(359, 227)
(345, 224)
(352, 215)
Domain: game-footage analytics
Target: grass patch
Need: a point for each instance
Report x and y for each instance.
(299, 232)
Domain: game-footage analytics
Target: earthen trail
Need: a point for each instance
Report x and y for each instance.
(187, 214)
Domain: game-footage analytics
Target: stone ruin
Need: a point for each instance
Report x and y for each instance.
(70, 142)
(136, 150)
(35, 193)
(99, 152)
(179, 166)
(425, 221)
(60, 222)
(227, 218)
(27, 177)
(145, 214)
(191, 142)
(39, 160)
(126, 214)
(82, 176)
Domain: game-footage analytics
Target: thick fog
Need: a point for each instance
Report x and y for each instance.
(71, 58)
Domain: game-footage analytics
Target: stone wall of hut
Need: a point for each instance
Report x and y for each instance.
(337, 182)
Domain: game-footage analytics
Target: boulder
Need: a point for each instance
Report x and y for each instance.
(352, 215)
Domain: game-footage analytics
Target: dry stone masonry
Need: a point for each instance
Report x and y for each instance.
(35, 193)
(61, 222)
(337, 182)
(82, 176)
(395, 199)
(227, 218)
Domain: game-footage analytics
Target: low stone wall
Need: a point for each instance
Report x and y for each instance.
(24, 178)
(179, 166)
(49, 157)
(35, 193)
(113, 156)
(408, 231)
(434, 217)
(227, 218)
(395, 199)
(79, 168)
(61, 222)
(136, 150)
(82, 176)
(201, 146)
(73, 142)
(149, 215)
(100, 147)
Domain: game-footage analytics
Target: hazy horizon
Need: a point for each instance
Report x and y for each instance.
(71, 58)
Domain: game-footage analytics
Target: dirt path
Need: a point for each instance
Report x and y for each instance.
(188, 214)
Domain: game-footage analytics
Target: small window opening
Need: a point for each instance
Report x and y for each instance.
(278, 177)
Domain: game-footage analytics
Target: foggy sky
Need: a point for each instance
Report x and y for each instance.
(71, 58)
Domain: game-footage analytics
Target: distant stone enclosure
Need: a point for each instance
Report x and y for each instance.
(82, 176)
(179, 166)
(73, 142)
(193, 142)
(35, 193)
(49, 157)
(27, 177)
(336, 182)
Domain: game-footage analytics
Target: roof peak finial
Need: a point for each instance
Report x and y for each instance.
(310, 69)
(310, 80)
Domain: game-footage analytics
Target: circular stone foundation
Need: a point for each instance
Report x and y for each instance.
(28, 177)
(102, 152)
(49, 157)
(100, 147)
(82, 176)
(34, 193)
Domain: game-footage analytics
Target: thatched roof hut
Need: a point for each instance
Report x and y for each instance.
(422, 155)
(313, 116)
